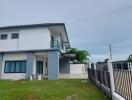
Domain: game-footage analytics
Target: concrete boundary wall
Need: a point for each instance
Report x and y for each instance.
(117, 97)
(74, 71)
(79, 69)
(72, 76)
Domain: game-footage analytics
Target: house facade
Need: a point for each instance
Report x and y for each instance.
(37, 49)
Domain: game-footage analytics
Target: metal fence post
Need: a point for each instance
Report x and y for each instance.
(89, 65)
(95, 73)
(110, 70)
(89, 71)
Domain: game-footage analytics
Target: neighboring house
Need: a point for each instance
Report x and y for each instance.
(36, 49)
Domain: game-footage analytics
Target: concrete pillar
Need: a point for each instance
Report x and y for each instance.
(53, 65)
(29, 64)
(44, 67)
(88, 72)
(110, 70)
(34, 65)
(1, 59)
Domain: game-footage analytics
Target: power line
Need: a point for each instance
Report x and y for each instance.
(104, 14)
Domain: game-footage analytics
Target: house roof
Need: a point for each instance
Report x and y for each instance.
(36, 25)
(31, 25)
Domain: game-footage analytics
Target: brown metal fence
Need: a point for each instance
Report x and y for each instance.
(100, 77)
(122, 71)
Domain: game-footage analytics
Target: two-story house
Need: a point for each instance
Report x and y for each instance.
(36, 49)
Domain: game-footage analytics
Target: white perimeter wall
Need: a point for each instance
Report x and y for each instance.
(13, 56)
(77, 69)
(116, 96)
(29, 39)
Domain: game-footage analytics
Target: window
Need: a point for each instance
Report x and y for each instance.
(18, 67)
(15, 67)
(3, 36)
(12, 67)
(15, 36)
(23, 68)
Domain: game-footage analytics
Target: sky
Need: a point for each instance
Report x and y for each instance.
(91, 24)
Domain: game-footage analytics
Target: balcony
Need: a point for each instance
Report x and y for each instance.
(55, 44)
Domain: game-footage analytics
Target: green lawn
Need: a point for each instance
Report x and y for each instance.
(49, 90)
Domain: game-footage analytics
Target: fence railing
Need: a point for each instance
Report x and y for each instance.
(118, 79)
(122, 71)
(101, 78)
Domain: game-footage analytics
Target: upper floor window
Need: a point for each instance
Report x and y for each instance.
(3, 36)
(14, 36)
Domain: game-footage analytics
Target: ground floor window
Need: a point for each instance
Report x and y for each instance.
(15, 67)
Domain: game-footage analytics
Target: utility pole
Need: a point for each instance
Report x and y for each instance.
(110, 51)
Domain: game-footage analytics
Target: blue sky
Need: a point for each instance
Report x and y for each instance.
(91, 24)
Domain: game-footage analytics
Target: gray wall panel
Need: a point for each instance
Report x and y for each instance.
(29, 64)
(1, 59)
(53, 65)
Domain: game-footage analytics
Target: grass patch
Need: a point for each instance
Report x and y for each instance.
(49, 90)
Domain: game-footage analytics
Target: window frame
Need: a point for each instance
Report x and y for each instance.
(14, 34)
(3, 38)
(15, 71)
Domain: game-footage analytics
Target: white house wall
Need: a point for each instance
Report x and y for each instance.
(34, 39)
(29, 39)
(77, 69)
(9, 44)
(9, 57)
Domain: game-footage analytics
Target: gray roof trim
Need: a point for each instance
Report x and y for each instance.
(35, 50)
(31, 25)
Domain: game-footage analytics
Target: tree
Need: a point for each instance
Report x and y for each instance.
(73, 50)
(106, 59)
(130, 58)
(81, 55)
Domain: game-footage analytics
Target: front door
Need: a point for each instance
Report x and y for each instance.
(39, 67)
